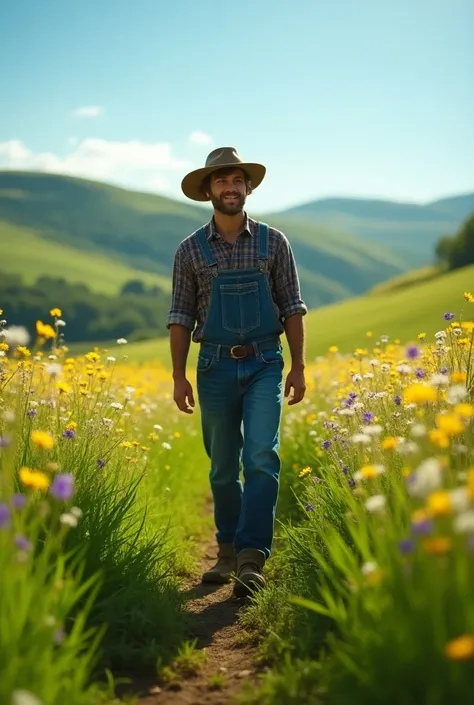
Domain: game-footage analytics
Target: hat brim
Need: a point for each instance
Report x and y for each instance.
(191, 184)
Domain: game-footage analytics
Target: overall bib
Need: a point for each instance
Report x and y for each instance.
(240, 396)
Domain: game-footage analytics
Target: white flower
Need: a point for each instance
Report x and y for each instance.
(111, 359)
(459, 499)
(407, 447)
(157, 427)
(24, 697)
(418, 430)
(457, 331)
(346, 412)
(376, 503)
(372, 430)
(369, 375)
(380, 395)
(464, 523)
(358, 405)
(166, 445)
(121, 341)
(385, 367)
(130, 390)
(357, 378)
(60, 322)
(116, 405)
(456, 394)
(404, 369)
(77, 512)
(374, 363)
(369, 567)
(16, 335)
(8, 416)
(69, 519)
(361, 438)
(384, 338)
(3, 353)
(439, 380)
(427, 478)
(53, 369)
(441, 335)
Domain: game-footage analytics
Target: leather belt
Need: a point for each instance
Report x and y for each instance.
(239, 352)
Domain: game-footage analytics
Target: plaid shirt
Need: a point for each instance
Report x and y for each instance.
(192, 282)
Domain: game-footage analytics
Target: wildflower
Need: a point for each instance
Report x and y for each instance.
(326, 445)
(304, 472)
(461, 648)
(376, 503)
(412, 352)
(56, 312)
(45, 330)
(421, 522)
(465, 411)
(42, 439)
(427, 478)
(4, 515)
(5, 441)
(19, 500)
(368, 417)
(439, 438)
(63, 387)
(406, 546)
(374, 430)
(420, 393)
(448, 316)
(437, 546)
(361, 438)
(63, 486)
(22, 543)
(53, 370)
(100, 463)
(368, 472)
(309, 507)
(389, 443)
(333, 349)
(35, 479)
(469, 297)
(439, 503)
(420, 373)
(121, 341)
(166, 445)
(24, 697)
(456, 394)
(68, 519)
(450, 424)
(464, 522)
(421, 336)
(439, 380)
(126, 444)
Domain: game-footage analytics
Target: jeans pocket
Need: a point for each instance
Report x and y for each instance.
(240, 307)
(205, 362)
(272, 357)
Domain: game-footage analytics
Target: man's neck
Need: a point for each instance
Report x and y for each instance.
(229, 226)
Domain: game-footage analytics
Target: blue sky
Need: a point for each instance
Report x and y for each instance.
(344, 98)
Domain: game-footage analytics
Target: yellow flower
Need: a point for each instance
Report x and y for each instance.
(469, 297)
(304, 472)
(42, 439)
(92, 356)
(4, 346)
(439, 503)
(71, 426)
(419, 393)
(458, 377)
(439, 438)
(333, 349)
(45, 331)
(56, 312)
(1, 311)
(449, 424)
(177, 434)
(103, 375)
(34, 478)
(460, 649)
(389, 443)
(465, 411)
(126, 444)
(368, 472)
(437, 546)
(369, 334)
(23, 351)
(63, 387)
(421, 336)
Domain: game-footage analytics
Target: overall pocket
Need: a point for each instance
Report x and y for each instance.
(272, 357)
(205, 362)
(240, 307)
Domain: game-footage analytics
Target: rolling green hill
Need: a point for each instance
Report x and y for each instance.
(402, 313)
(408, 228)
(103, 223)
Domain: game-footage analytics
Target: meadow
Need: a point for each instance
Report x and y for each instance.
(103, 503)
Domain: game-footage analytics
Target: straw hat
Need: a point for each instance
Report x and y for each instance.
(218, 159)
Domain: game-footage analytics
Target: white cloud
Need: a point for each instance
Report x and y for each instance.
(132, 164)
(88, 111)
(201, 138)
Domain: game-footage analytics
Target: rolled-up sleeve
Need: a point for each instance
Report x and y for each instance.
(286, 281)
(183, 295)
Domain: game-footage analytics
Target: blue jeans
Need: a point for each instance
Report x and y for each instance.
(241, 405)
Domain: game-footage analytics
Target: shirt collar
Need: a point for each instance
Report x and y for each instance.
(246, 227)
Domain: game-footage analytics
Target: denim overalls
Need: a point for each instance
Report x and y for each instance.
(241, 399)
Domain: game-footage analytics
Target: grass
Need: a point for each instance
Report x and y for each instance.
(23, 252)
(401, 313)
(369, 596)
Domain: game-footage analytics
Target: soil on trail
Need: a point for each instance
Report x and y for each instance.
(213, 622)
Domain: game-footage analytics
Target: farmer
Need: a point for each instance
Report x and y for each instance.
(236, 291)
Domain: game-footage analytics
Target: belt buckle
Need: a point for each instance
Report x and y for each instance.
(234, 356)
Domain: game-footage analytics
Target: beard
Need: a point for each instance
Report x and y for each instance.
(228, 208)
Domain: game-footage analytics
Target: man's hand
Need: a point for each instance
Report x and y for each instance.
(296, 381)
(183, 395)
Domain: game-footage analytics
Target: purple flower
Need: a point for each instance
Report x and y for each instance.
(22, 543)
(19, 500)
(309, 507)
(345, 469)
(444, 370)
(352, 483)
(31, 413)
(406, 545)
(63, 486)
(420, 373)
(5, 441)
(4, 515)
(353, 395)
(69, 433)
(423, 527)
(412, 352)
(397, 400)
(100, 463)
(368, 417)
(326, 445)
(448, 316)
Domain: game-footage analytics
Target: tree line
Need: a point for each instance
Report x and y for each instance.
(136, 313)
(457, 250)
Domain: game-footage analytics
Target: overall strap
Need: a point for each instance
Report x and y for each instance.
(262, 246)
(206, 251)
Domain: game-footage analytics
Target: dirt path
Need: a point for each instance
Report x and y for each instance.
(214, 614)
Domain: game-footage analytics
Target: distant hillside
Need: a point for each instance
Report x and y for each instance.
(408, 228)
(142, 232)
(399, 313)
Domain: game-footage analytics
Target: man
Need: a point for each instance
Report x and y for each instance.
(236, 289)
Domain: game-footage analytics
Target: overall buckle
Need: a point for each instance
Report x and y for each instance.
(238, 357)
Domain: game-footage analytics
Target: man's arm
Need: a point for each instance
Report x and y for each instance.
(292, 310)
(180, 322)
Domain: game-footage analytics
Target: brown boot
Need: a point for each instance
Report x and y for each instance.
(225, 566)
(250, 564)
